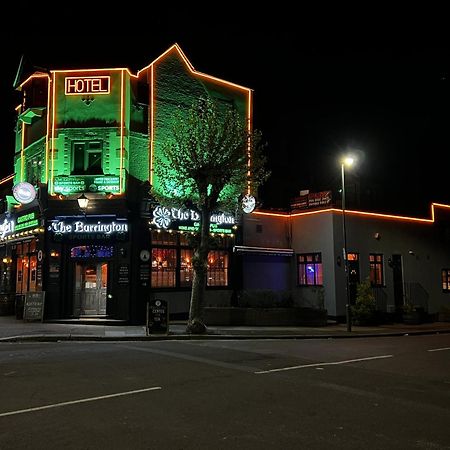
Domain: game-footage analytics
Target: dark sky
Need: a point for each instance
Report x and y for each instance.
(376, 88)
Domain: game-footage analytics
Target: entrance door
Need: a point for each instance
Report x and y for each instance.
(91, 282)
(398, 282)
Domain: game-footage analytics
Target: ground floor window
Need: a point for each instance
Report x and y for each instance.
(172, 262)
(310, 269)
(26, 265)
(376, 269)
(446, 280)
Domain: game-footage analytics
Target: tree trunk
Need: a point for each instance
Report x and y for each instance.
(200, 265)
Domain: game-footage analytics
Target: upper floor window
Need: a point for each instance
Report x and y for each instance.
(87, 158)
(446, 280)
(310, 269)
(376, 269)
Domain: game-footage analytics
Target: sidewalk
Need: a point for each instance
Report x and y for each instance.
(13, 330)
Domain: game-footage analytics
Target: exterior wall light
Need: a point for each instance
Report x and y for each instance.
(83, 202)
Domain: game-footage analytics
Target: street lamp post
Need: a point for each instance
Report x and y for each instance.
(348, 161)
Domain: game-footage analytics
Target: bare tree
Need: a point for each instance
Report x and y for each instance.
(210, 161)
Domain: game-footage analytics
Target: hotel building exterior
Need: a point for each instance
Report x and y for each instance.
(94, 134)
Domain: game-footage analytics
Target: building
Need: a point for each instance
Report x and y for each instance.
(406, 259)
(91, 135)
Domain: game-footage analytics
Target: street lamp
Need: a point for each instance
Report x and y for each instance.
(346, 161)
(83, 202)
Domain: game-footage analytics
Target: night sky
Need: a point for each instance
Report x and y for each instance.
(317, 92)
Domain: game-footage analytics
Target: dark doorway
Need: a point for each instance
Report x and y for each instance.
(398, 282)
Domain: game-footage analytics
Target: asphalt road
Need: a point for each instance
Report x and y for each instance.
(375, 393)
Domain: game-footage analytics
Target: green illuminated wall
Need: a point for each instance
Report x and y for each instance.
(176, 86)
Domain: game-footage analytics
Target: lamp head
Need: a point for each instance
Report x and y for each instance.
(83, 201)
(348, 161)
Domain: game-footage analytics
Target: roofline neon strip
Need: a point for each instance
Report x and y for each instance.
(191, 68)
(6, 179)
(359, 213)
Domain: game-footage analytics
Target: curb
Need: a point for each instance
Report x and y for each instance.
(187, 337)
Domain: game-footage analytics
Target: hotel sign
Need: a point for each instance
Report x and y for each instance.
(87, 85)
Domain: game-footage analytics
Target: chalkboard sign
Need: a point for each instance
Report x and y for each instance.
(33, 308)
(157, 317)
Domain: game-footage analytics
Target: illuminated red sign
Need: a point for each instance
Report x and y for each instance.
(87, 85)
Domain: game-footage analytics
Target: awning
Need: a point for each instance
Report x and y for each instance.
(269, 251)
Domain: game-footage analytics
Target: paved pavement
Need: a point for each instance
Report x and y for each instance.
(13, 330)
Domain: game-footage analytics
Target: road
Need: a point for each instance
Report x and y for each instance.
(372, 393)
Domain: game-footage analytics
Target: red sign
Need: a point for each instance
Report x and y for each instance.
(87, 85)
(312, 200)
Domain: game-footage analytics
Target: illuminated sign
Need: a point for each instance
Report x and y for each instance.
(13, 224)
(94, 227)
(87, 85)
(24, 192)
(189, 220)
(27, 221)
(6, 227)
(312, 200)
(87, 183)
(248, 203)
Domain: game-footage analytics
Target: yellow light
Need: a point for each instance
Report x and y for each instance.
(152, 103)
(48, 130)
(53, 132)
(6, 179)
(348, 161)
(122, 124)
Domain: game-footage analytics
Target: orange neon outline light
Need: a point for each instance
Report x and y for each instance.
(152, 118)
(93, 70)
(22, 152)
(35, 75)
(53, 132)
(249, 144)
(122, 124)
(191, 68)
(48, 129)
(6, 179)
(99, 77)
(360, 213)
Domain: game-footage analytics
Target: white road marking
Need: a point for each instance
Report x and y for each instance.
(439, 349)
(83, 400)
(324, 364)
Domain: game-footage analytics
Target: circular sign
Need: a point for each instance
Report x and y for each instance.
(144, 255)
(24, 192)
(158, 303)
(248, 203)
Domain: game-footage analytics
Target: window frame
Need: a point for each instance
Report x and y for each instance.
(316, 260)
(373, 265)
(445, 284)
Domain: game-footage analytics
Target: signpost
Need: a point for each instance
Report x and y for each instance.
(33, 308)
(157, 317)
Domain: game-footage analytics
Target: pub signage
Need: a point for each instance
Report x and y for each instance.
(13, 223)
(86, 183)
(93, 227)
(189, 220)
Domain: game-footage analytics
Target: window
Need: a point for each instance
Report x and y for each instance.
(376, 269)
(87, 158)
(217, 268)
(310, 269)
(163, 267)
(446, 280)
(172, 261)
